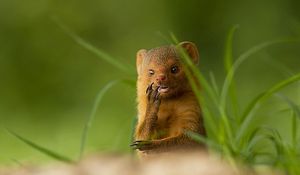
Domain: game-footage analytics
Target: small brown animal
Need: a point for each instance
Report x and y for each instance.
(167, 106)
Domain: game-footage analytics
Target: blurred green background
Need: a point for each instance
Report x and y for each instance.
(48, 83)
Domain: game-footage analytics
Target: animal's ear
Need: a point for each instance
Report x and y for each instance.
(191, 50)
(140, 55)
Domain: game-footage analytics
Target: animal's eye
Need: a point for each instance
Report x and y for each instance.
(151, 72)
(174, 69)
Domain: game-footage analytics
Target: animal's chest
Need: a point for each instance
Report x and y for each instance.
(166, 117)
(166, 113)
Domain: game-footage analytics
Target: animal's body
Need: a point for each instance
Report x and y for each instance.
(167, 106)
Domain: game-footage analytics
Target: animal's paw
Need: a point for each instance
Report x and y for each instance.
(142, 145)
(153, 95)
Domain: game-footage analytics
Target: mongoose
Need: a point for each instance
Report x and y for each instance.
(167, 106)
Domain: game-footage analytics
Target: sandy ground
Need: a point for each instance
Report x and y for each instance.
(179, 164)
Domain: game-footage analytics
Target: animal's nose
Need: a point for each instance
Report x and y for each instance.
(161, 78)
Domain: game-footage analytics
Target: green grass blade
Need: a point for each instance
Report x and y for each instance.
(292, 104)
(174, 39)
(295, 113)
(195, 78)
(277, 65)
(40, 148)
(228, 48)
(210, 123)
(214, 83)
(98, 52)
(264, 133)
(276, 138)
(201, 139)
(241, 59)
(93, 113)
(194, 74)
(228, 58)
(164, 37)
(253, 139)
(249, 112)
(256, 137)
(96, 104)
(255, 155)
(230, 75)
(294, 129)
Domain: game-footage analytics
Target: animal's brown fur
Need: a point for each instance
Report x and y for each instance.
(163, 118)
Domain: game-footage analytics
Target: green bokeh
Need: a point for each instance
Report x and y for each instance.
(48, 83)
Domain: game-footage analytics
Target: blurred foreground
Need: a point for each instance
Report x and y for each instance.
(187, 164)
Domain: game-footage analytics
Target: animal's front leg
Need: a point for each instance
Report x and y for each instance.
(166, 144)
(146, 130)
(161, 145)
(153, 102)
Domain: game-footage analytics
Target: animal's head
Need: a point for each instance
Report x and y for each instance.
(162, 67)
